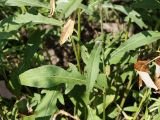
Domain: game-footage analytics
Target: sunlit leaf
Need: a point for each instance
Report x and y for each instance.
(136, 17)
(48, 104)
(68, 7)
(36, 19)
(137, 40)
(92, 114)
(120, 8)
(109, 99)
(84, 54)
(131, 14)
(130, 108)
(49, 76)
(33, 3)
(93, 67)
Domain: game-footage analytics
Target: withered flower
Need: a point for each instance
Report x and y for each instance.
(67, 30)
(143, 70)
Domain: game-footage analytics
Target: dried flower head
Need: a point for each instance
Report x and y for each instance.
(67, 30)
(141, 66)
(143, 71)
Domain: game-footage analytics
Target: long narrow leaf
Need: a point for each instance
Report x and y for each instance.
(137, 40)
(93, 67)
(68, 7)
(131, 14)
(36, 19)
(33, 3)
(48, 104)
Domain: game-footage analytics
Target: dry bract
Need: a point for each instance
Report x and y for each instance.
(143, 71)
(140, 65)
(67, 30)
(52, 7)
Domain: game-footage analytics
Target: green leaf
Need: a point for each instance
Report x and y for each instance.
(49, 76)
(32, 117)
(137, 40)
(47, 105)
(33, 44)
(131, 108)
(33, 3)
(132, 14)
(146, 4)
(2, 2)
(93, 67)
(36, 19)
(113, 112)
(5, 35)
(120, 8)
(136, 17)
(102, 81)
(73, 69)
(156, 117)
(31, 48)
(7, 25)
(92, 115)
(68, 7)
(89, 9)
(84, 54)
(109, 99)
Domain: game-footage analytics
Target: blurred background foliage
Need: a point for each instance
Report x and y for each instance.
(91, 76)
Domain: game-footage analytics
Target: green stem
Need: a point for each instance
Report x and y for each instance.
(140, 105)
(23, 9)
(125, 95)
(104, 104)
(76, 53)
(127, 30)
(79, 38)
(101, 18)
(102, 32)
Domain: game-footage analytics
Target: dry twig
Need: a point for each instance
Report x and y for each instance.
(62, 112)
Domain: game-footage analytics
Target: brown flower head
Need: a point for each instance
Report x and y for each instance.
(67, 30)
(141, 66)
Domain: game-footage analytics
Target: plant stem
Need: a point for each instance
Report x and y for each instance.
(104, 104)
(125, 95)
(76, 53)
(141, 103)
(79, 38)
(127, 30)
(101, 18)
(104, 91)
